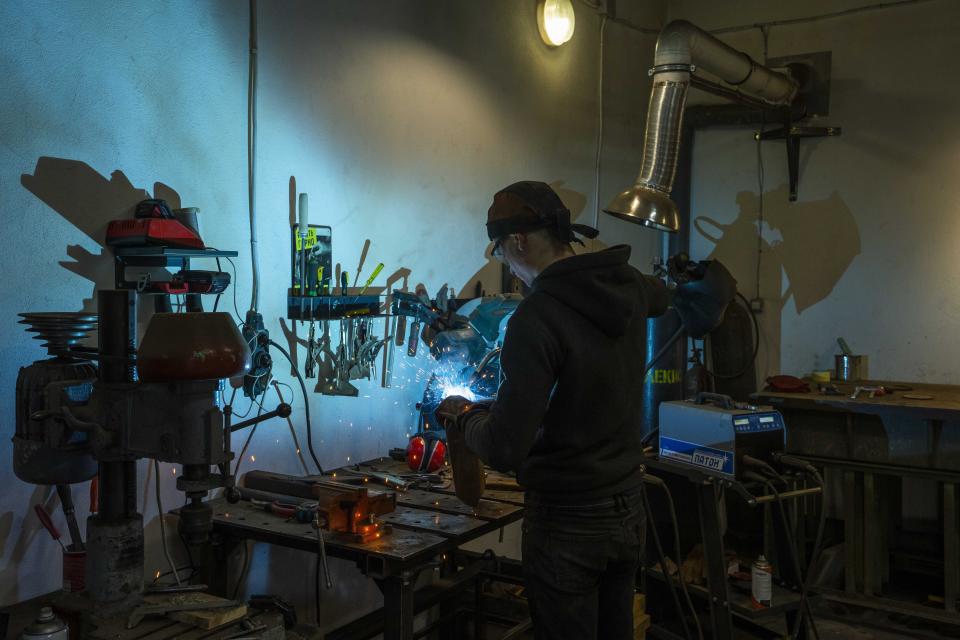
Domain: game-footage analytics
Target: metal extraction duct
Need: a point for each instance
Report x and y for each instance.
(681, 49)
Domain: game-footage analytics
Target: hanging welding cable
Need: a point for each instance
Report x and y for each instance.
(252, 158)
(766, 476)
(662, 558)
(808, 469)
(163, 527)
(676, 547)
(306, 405)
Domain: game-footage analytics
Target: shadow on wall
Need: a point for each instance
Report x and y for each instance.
(30, 527)
(812, 243)
(89, 201)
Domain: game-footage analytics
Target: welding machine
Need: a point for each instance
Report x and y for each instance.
(713, 433)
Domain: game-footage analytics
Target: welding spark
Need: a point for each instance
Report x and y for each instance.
(450, 389)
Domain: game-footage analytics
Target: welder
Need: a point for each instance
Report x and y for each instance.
(566, 416)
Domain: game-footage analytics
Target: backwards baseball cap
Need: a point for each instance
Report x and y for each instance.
(529, 206)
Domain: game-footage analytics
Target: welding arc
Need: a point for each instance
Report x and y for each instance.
(306, 404)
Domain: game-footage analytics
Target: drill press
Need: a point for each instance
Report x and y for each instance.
(76, 419)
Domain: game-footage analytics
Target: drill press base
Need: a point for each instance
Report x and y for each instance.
(115, 559)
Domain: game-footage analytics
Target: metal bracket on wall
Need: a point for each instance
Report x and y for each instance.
(792, 134)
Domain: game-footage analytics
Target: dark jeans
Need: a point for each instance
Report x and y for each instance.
(580, 564)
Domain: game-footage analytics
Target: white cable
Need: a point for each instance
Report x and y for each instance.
(596, 224)
(163, 528)
(251, 158)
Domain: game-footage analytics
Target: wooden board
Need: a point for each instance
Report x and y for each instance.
(201, 619)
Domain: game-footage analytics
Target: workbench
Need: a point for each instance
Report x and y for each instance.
(428, 525)
(873, 443)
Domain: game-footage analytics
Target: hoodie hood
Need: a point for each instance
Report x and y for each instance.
(601, 286)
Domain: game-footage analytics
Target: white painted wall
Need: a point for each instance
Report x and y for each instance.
(399, 119)
(867, 251)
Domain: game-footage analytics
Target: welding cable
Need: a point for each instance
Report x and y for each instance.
(193, 572)
(805, 609)
(252, 158)
(306, 404)
(763, 467)
(756, 347)
(236, 310)
(293, 432)
(243, 572)
(253, 430)
(663, 562)
(673, 339)
(676, 543)
(163, 528)
(810, 470)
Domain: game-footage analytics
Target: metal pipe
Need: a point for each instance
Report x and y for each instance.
(681, 48)
(788, 494)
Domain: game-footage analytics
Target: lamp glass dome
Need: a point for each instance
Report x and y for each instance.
(556, 21)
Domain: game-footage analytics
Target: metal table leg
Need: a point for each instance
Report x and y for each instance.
(397, 606)
(951, 546)
(714, 558)
(851, 541)
(872, 563)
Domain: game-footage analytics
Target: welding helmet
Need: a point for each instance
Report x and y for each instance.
(529, 206)
(426, 452)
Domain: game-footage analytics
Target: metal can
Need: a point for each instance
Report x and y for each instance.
(46, 627)
(761, 583)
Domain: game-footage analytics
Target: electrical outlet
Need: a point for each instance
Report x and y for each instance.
(756, 305)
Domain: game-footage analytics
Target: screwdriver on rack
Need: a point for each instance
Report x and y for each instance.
(48, 524)
(372, 277)
(343, 283)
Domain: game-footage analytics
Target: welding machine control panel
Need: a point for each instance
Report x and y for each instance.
(757, 422)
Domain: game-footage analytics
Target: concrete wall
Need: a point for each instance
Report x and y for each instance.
(865, 252)
(400, 120)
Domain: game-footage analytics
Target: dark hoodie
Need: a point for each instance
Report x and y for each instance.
(567, 415)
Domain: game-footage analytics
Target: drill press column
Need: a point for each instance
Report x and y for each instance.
(115, 534)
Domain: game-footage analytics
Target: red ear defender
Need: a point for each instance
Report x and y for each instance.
(425, 454)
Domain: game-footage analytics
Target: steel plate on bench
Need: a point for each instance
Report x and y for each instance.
(487, 510)
(443, 524)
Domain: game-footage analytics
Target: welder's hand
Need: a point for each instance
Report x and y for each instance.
(450, 410)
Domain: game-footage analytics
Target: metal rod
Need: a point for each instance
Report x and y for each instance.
(282, 411)
(788, 494)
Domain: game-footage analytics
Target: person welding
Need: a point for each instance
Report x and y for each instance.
(567, 415)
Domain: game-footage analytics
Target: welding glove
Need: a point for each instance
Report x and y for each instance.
(468, 476)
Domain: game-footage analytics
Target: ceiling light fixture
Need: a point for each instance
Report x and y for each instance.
(556, 20)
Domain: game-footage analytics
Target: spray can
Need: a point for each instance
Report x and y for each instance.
(761, 583)
(46, 627)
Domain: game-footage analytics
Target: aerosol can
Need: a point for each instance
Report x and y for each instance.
(761, 583)
(46, 627)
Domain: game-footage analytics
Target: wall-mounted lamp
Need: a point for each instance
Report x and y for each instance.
(556, 21)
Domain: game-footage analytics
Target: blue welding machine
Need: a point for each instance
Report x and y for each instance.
(713, 433)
